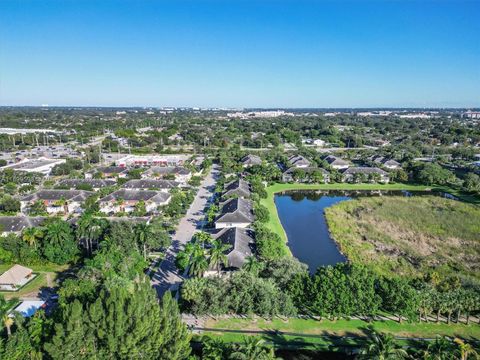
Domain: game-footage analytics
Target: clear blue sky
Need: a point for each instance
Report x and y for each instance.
(240, 53)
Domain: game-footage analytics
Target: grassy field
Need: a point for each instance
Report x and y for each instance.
(325, 332)
(398, 235)
(274, 223)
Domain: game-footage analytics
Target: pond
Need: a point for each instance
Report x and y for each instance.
(302, 216)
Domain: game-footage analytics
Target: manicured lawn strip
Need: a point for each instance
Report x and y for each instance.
(309, 328)
(274, 223)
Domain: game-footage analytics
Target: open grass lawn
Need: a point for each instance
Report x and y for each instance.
(409, 235)
(309, 331)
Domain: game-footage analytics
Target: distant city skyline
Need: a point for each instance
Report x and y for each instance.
(240, 54)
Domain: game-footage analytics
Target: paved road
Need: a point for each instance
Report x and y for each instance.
(168, 277)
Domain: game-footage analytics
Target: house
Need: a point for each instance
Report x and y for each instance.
(249, 160)
(365, 174)
(336, 162)
(181, 174)
(95, 184)
(16, 224)
(15, 277)
(236, 212)
(41, 165)
(237, 188)
(109, 172)
(150, 184)
(57, 201)
(307, 174)
(387, 163)
(240, 241)
(125, 200)
(298, 161)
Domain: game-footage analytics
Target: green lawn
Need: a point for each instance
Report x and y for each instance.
(274, 223)
(325, 332)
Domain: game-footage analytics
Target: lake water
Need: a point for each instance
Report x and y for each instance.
(302, 217)
(301, 214)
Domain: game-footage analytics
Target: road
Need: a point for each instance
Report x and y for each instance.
(167, 277)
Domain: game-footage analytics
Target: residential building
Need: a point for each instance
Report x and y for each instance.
(125, 200)
(298, 161)
(57, 201)
(249, 160)
(336, 162)
(16, 224)
(387, 163)
(182, 175)
(109, 172)
(15, 277)
(41, 165)
(365, 174)
(150, 184)
(306, 174)
(240, 241)
(237, 188)
(235, 212)
(95, 184)
(28, 308)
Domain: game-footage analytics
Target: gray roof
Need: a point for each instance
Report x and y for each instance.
(137, 195)
(164, 170)
(364, 170)
(18, 223)
(251, 160)
(236, 210)
(239, 241)
(95, 183)
(298, 160)
(33, 164)
(238, 187)
(333, 160)
(150, 184)
(71, 195)
(385, 161)
(112, 169)
(308, 169)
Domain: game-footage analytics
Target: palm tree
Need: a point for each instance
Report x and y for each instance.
(57, 232)
(441, 348)
(203, 238)
(217, 254)
(90, 229)
(252, 265)
(382, 347)
(5, 307)
(198, 263)
(465, 350)
(31, 235)
(253, 348)
(143, 234)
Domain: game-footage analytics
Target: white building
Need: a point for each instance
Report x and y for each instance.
(41, 165)
(151, 160)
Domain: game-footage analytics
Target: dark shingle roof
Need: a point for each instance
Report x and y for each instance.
(164, 170)
(137, 195)
(364, 170)
(333, 160)
(112, 169)
(150, 184)
(309, 169)
(95, 183)
(237, 187)
(18, 223)
(236, 211)
(251, 160)
(239, 241)
(71, 195)
(298, 160)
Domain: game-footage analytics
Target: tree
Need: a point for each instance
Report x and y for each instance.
(253, 348)
(31, 236)
(5, 307)
(382, 347)
(261, 213)
(398, 297)
(217, 254)
(252, 265)
(433, 174)
(122, 323)
(471, 182)
(59, 245)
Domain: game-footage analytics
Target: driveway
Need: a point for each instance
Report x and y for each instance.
(167, 276)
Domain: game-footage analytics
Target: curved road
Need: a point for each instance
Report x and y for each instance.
(167, 277)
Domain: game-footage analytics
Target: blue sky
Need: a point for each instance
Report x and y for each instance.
(240, 53)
